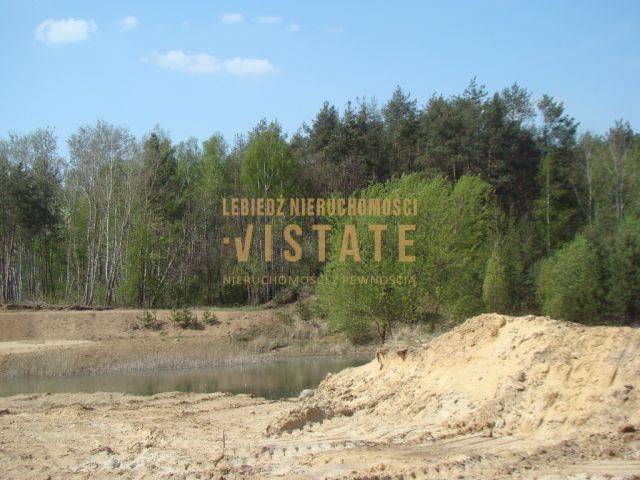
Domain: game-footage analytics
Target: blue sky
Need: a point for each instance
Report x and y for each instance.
(196, 68)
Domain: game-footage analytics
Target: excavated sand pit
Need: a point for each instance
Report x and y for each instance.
(528, 375)
(497, 397)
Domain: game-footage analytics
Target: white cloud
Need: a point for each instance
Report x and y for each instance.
(229, 18)
(248, 66)
(128, 23)
(270, 19)
(182, 62)
(65, 30)
(203, 63)
(294, 27)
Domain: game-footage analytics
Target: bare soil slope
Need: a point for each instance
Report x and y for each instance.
(114, 324)
(509, 375)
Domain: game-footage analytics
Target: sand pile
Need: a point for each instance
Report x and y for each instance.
(506, 375)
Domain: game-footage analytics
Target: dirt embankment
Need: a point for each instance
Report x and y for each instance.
(498, 397)
(63, 342)
(501, 374)
(101, 325)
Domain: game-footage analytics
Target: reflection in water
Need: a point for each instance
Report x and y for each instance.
(278, 379)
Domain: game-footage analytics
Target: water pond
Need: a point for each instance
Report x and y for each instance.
(277, 379)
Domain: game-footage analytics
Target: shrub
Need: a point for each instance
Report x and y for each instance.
(568, 284)
(451, 248)
(318, 310)
(495, 289)
(304, 311)
(623, 268)
(149, 320)
(209, 318)
(184, 318)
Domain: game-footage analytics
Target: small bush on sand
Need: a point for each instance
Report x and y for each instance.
(304, 311)
(209, 318)
(149, 320)
(184, 318)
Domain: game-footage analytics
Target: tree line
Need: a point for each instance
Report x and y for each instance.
(526, 214)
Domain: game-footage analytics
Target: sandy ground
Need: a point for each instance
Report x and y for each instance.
(181, 436)
(497, 397)
(61, 342)
(102, 325)
(35, 346)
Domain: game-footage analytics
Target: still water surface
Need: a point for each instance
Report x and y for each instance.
(278, 379)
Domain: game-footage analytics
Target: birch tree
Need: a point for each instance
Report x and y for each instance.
(103, 170)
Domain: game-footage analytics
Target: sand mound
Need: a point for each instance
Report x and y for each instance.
(507, 375)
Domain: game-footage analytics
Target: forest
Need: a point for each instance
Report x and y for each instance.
(519, 212)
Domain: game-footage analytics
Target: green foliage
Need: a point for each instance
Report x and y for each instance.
(209, 318)
(401, 131)
(623, 268)
(451, 250)
(500, 189)
(30, 213)
(269, 167)
(185, 318)
(304, 311)
(149, 320)
(507, 286)
(318, 310)
(495, 288)
(568, 284)
(161, 168)
(556, 209)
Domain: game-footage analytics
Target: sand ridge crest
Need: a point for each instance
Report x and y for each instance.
(505, 375)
